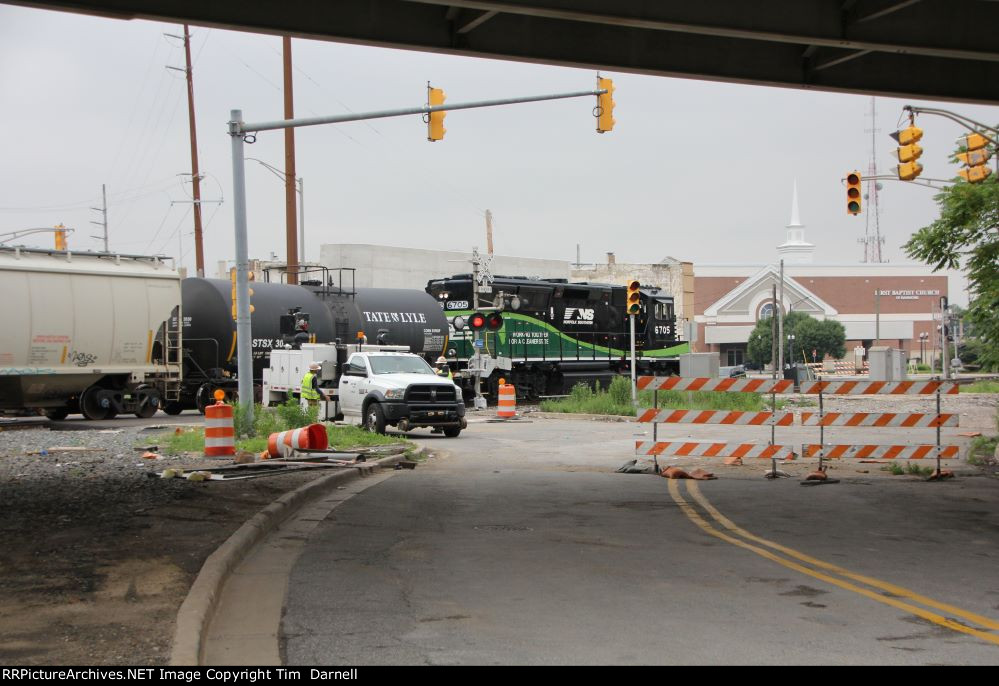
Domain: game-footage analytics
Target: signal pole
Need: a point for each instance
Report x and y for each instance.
(291, 240)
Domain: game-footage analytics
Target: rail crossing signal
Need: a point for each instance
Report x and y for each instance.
(492, 321)
(853, 193)
(908, 152)
(974, 158)
(605, 105)
(634, 297)
(435, 120)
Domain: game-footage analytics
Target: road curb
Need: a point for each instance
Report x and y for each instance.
(196, 611)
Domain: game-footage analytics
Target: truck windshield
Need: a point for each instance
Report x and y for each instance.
(399, 364)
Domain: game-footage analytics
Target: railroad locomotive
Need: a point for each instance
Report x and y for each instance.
(557, 334)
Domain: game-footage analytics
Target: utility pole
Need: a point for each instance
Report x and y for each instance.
(104, 211)
(289, 167)
(199, 249)
(489, 231)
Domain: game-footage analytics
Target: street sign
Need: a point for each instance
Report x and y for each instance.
(480, 343)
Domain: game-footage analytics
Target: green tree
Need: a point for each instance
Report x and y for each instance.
(826, 337)
(966, 236)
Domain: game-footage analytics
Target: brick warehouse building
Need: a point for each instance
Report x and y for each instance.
(730, 299)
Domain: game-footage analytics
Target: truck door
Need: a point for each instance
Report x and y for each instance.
(353, 385)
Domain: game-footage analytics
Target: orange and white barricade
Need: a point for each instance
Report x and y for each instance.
(507, 402)
(284, 443)
(220, 435)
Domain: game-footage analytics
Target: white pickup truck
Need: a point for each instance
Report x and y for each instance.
(378, 385)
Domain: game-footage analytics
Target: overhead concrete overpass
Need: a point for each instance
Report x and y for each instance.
(940, 49)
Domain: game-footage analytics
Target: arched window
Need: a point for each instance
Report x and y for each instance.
(766, 311)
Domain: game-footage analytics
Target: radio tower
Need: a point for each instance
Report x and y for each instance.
(872, 240)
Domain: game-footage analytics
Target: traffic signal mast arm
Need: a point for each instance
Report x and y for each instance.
(240, 128)
(970, 124)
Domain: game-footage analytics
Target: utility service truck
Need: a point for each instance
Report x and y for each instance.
(379, 385)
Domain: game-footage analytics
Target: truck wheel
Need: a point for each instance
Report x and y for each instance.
(452, 431)
(374, 419)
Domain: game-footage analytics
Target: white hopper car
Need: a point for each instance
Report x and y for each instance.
(87, 332)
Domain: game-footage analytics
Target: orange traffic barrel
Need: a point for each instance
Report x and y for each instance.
(220, 437)
(507, 401)
(311, 437)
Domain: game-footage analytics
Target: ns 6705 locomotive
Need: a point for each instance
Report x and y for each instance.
(557, 334)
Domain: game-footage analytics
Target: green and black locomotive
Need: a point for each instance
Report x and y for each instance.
(556, 333)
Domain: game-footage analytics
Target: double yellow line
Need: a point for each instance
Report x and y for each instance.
(886, 593)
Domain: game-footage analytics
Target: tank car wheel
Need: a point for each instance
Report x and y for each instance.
(452, 431)
(57, 413)
(203, 398)
(374, 419)
(90, 405)
(173, 409)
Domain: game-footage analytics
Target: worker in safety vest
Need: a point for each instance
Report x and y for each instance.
(443, 369)
(310, 384)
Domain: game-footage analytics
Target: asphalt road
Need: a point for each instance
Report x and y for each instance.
(522, 546)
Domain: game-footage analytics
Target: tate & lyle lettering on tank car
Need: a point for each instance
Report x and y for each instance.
(383, 315)
(558, 334)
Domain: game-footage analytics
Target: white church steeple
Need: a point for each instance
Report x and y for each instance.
(795, 249)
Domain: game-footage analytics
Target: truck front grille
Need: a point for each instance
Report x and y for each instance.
(431, 394)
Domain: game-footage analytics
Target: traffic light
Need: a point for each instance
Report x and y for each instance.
(477, 321)
(974, 158)
(853, 193)
(494, 322)
(435, 121)
(634, 298)
(232, 277)
(60, 237)
(605, 105)
(908, 152)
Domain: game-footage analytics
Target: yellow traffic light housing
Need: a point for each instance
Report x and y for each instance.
(853, 193)
(232, 277)
(605, 105)
(908, 152)
(975, 158)
(60, 237)
(435, 120)
(634, 298)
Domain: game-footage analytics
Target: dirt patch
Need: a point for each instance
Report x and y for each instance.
(93, 570)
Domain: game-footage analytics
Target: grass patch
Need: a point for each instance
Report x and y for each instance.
(982, 450)
(616, 400)
(344, 437)
(268, 420)
(895, 468)
(980, 387)
(917, 470)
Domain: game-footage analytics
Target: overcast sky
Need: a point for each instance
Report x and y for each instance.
(696, 170)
